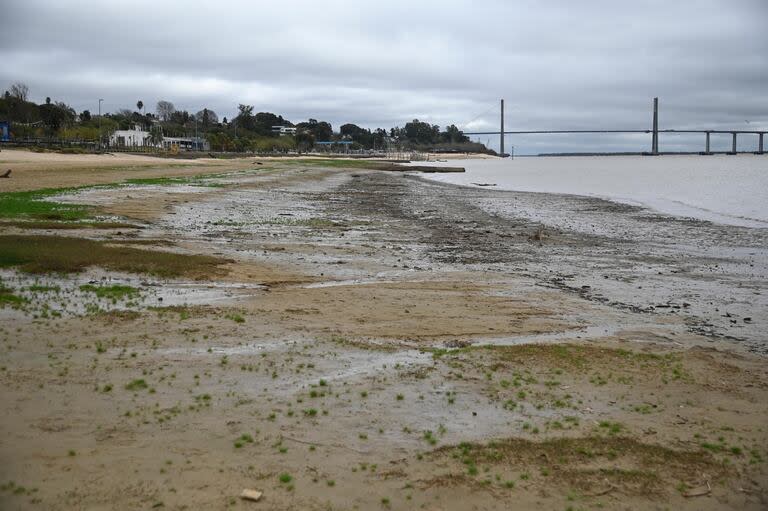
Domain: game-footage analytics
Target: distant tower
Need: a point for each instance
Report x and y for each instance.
(655, 138)
(501, 136)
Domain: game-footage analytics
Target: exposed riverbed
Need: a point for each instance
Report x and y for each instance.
(370, 322)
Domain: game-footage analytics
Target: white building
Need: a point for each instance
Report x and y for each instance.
(135, 137)
(284, 130)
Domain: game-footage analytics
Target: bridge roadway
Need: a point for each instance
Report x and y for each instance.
(734, 133)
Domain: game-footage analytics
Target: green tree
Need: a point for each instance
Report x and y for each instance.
(56, 116)
(245, 119)
(264, 121)
(321, 131)
(418, 132)
(453, 135)
(207, 118)
(359, 135)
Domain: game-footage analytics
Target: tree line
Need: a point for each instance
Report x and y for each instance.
(247, 131)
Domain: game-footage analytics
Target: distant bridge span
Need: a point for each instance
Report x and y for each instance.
(654, 131)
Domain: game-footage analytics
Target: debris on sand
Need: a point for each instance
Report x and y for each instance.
(538, 235)
(699, 491)
(252, 495)
(457, 343)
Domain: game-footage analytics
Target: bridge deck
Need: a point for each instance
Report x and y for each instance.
(533, 132)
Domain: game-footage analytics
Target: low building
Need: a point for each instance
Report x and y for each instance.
(135, 137)
(186, 143)
(284, 130)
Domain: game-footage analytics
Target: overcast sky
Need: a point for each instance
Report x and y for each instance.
(559, 64)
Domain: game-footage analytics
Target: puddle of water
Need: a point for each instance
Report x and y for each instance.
(350, 282)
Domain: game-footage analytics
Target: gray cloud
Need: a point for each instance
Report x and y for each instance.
(589, 64)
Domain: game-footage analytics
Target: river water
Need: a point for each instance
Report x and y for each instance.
(724, 189)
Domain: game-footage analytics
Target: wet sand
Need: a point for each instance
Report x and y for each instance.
(385, 342)
(33, 171)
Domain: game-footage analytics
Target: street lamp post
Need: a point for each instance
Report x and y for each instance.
(100, 100)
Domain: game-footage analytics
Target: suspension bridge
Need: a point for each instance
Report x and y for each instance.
(654, 131)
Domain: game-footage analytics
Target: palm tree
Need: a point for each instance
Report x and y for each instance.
(140, 106)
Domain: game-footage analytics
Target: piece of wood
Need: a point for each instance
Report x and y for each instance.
(699, 492)
(253, 495)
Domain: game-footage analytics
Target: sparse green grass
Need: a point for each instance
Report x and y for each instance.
(611, 427)
(34, 205)
(54, 254)
(7, 298)
(236, 317)
(41, 212)
(245, 438)
(66, 225)
(138, 384)
(160, 181)
(645, 467)
(115, 292)
(36, 288)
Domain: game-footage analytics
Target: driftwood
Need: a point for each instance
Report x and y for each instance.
(699, 492)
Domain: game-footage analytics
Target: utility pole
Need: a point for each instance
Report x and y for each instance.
(100, 123)
(655, 138)
(501, 136)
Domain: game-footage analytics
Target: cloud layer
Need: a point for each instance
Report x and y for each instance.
(590, 64)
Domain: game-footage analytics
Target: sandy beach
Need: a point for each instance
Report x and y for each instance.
(344, 338)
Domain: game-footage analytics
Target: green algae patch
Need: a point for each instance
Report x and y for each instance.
(54, 254)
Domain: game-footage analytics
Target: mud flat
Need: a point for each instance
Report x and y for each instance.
(344, 338)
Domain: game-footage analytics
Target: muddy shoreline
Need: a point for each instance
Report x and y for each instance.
(376, 340)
